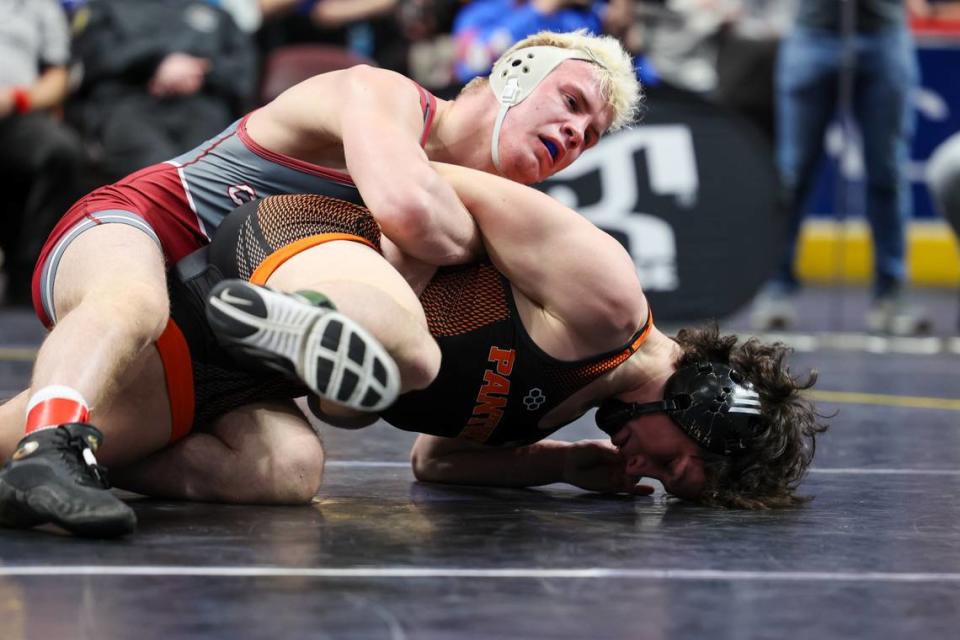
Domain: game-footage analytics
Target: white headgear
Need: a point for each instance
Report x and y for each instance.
(514, 77)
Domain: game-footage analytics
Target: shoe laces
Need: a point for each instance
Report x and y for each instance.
(79, 456)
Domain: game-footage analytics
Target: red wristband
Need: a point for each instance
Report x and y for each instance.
(21, 100)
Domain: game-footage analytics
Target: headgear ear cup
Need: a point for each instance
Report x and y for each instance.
(711, 402)
(514, 77)
(612, 415)
(723, 409)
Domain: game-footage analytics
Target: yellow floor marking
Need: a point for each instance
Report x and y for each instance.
(20, 354)
(886, 400)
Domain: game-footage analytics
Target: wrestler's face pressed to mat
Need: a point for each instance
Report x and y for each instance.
(655, 447)
(565, 115)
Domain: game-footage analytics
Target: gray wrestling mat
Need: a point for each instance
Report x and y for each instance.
(378, 555)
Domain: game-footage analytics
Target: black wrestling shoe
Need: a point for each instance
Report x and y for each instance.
(53, 477)
(304, 335)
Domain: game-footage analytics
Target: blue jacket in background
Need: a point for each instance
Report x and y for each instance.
(484, 29)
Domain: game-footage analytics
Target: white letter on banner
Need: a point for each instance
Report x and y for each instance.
(672, 170)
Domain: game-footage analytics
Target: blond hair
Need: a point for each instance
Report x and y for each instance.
(618, 79)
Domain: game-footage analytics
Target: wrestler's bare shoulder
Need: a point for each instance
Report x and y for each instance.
(306, 121)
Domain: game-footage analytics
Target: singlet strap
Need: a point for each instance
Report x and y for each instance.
(428, 105)
(643, 332)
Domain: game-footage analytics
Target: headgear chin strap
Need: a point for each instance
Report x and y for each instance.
(514, 78)
(711, 402)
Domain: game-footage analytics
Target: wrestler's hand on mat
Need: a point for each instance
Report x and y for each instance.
(596, 465)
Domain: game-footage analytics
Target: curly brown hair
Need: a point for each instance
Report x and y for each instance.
(767, 476)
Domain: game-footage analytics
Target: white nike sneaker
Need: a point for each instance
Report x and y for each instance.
(304, 335)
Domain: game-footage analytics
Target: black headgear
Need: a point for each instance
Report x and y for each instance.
(711, 402)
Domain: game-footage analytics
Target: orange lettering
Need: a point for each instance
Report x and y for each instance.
(489, 404)
(486, 422)
(492, 397)
(504, 359)
(493, 383)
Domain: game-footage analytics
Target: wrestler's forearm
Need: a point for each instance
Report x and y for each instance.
(380, 124)
(522, 228)
(431, 224)
(531, 466)
(425, 219)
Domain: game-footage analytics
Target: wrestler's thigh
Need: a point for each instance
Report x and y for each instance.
(345, 262)
(112, 258)
(135, 423)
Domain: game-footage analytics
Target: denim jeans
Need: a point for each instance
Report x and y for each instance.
(807, 86)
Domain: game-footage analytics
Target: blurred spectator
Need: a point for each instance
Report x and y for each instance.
(938, 10)
(746, 56)
(680, 39)
(159, 77)
(721, 49)
(880, 62)
(327, 13)
(366, 27)
(427, 26)
(484, 29)
(71, 6)
(619, 16)
(420, 19)
(40, 158)
(246, 13)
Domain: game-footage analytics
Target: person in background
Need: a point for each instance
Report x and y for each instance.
(484, 29)
(42, 159)
(746, 56)
(158, 77)
(884, 68)
(368, 28)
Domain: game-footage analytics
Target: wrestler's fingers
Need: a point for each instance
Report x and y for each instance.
(640, 490)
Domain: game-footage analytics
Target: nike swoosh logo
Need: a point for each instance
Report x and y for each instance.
(229, 298)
